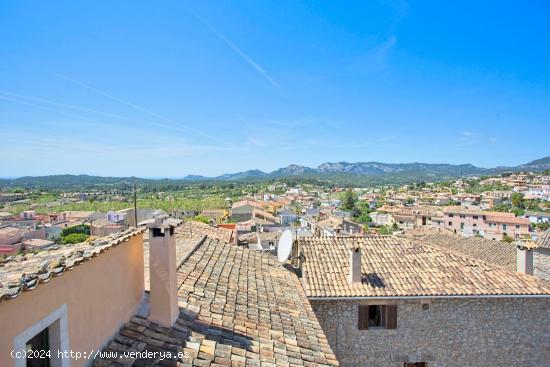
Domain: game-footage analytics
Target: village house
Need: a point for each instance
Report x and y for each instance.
(70, 316)
(243, 210)
(537, 217)
(467, 221)
(386, 301)
(381, 219)
(329, 224)
(498, 225)
(215, 215)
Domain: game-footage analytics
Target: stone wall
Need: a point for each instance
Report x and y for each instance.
(542, 263)
(446, 332)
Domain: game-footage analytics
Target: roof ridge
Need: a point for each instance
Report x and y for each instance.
(193, 249)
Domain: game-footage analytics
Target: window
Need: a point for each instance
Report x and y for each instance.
(377, 317)
(39, 343)
(504, 227)
(451, 215)
(475, 217)
(450, 223)
(517, 226)
(461, 225)
(415, 364)
(48, 334)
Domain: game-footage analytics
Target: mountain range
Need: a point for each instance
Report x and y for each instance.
(339, 173)
(377, 169)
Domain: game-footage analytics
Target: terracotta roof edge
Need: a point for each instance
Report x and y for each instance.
(195, 247)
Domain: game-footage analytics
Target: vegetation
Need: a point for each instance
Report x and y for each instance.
(75, 234)
(80, 229)
(74, 238)
(201, 218)
(387, 230)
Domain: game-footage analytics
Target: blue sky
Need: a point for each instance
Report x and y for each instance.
(166, 89)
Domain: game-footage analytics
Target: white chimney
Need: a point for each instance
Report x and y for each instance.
(354, 265)
(524, 258)
(162, 268)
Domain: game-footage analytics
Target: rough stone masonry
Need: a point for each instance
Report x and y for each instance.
(444, 332)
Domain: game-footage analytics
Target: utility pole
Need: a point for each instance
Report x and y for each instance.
(135, 205)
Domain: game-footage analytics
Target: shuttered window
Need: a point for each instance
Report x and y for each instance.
(391, 317)
(377, 316)
(363, 317)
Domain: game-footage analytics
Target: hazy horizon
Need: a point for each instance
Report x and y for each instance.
(250, 169)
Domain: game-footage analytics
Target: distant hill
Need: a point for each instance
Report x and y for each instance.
(429, 170)
(339, 173)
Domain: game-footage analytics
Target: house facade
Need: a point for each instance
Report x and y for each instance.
(385, 301)
(57, 299)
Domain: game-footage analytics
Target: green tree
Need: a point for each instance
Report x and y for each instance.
(507, 238)
(349, 200)
(201, 218)
(74, 238)
(517, 200)
(386, 230)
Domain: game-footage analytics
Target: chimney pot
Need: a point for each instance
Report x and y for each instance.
(162, 269)
(355, 265)
(524, 259)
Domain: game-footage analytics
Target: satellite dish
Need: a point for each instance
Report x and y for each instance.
(285, 246)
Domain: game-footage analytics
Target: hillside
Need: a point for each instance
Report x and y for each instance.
(338, 173)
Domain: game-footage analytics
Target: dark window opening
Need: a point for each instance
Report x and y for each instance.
(377, 316)
(415, 364)
(40, 344)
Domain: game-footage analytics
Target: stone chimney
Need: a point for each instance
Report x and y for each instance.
(524, 258)
(354, 276)
(162, 269)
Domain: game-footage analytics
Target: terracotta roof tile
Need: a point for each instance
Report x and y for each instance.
(237, 307)
(22, 273)
(188, 234)
(394, 267)
(493, 252)
(544, 239)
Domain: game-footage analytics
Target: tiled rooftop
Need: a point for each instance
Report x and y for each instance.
(187, 236)
(24, 273)
(396, 267)
(544, 239)
(237, 308)
(493, 252)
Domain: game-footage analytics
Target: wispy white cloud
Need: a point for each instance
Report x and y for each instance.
(492, 139)
(468, 138)
(401, 8)
(239, 52)
(386, 138)
(381, 53)
(376, 60)
(167, 122)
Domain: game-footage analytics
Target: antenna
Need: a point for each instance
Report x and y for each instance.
(285, 246)
(135, 206)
